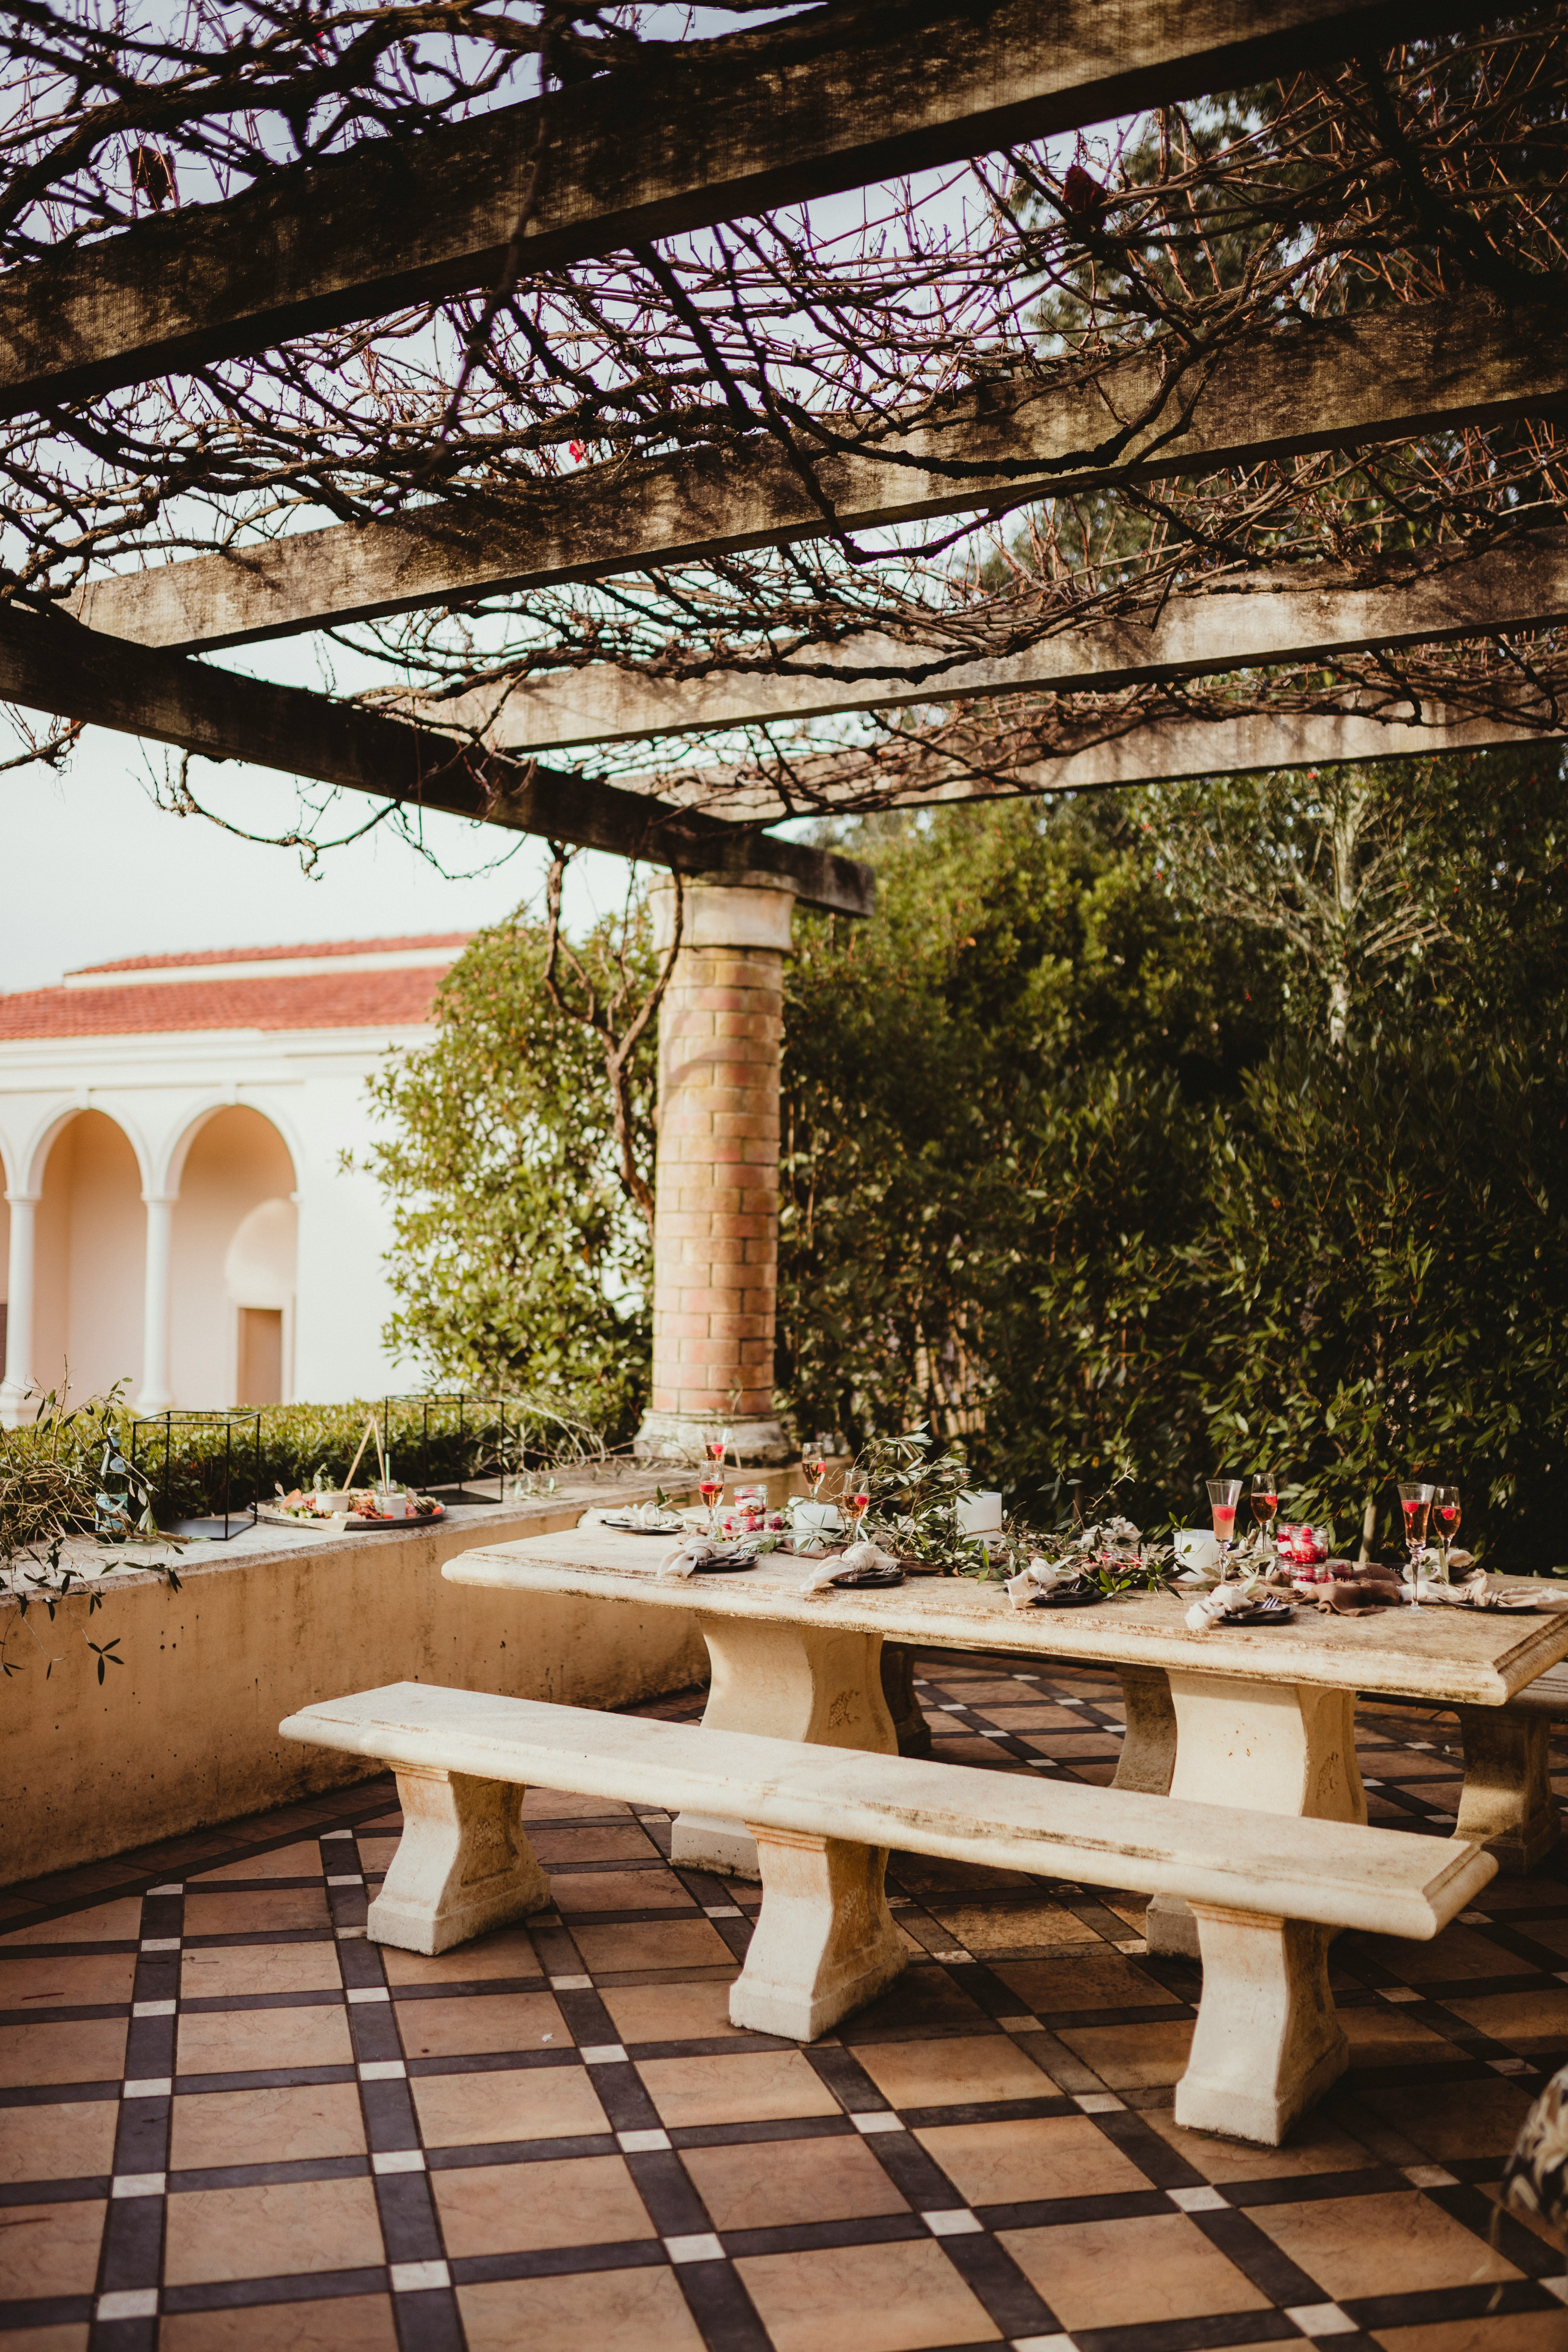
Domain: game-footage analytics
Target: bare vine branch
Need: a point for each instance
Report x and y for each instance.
(619, 1022)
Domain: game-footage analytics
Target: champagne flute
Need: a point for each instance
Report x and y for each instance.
(711, 1486)
(814, 1469)
(1415, 1502)
(1265, 1501)
(1445, 1520)
(1224, 1495)
(860, 1502)
(716, 1447)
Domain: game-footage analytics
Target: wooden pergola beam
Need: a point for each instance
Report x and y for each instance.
(1155, 752)
(768, 118)
(1166, 753)
(50, 663)
(1374, 376)
(1239, 624)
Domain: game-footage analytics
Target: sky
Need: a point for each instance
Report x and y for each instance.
(91, 870)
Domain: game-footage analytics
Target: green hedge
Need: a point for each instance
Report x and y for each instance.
(189, 1459)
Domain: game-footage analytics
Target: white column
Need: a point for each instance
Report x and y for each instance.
(18, 1380)
(156, 1395)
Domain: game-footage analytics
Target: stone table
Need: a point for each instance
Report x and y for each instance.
(1250, 1716)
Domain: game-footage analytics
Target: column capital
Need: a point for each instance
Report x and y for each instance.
(24, 1199)
(160, 1199)
(742, 910)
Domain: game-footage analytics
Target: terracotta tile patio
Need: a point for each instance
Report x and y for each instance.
(229, 2123)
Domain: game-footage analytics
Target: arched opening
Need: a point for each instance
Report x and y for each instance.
(231, 1306)
(90, 1253)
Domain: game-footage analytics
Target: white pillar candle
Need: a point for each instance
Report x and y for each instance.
(980, 1512)
(1196, 1548)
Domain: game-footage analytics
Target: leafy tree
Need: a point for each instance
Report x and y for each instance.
(1131, 1138)
(518, 1260)
(985, 1090)
(1385, 1270)
(1315, 1209)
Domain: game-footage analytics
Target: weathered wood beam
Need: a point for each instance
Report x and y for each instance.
(768, 118)
(1167, 752)
(1160, 751)
(52, 663)
(1376, 376)
(1239, 624)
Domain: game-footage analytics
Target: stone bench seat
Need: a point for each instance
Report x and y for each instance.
(1268, 1889)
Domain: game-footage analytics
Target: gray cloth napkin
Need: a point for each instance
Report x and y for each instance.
(693, 1552)
(1036, 1581)
(862, 1559)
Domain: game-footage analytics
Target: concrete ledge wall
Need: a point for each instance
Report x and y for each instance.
(185, 1733)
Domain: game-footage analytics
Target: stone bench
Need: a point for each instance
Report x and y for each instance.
(1268, 1889)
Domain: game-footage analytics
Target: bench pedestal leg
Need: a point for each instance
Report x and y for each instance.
(1507, 1805)
(462, 1866)
(1149, 1750)
(825, 1943)
(1277, 1747)
(822, 1684)
(1267, 2043)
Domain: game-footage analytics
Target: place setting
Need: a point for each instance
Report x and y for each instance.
(1280, 1566)
(1265, 1575)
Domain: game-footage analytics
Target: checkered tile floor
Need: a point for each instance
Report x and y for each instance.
(229, 2123)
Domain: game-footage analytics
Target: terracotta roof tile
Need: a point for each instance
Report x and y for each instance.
(268, 955)
(356, 1000)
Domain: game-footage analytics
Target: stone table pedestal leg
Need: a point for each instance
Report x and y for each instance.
(463, 1863)
(787, 1682)
(1277, 1748)
(1508, 1803)
(1149, 1750)
(909, 1726)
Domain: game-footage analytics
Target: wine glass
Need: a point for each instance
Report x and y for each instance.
(1415, 1502)
(1224, 1495)
(813, 1467)
(716, 1445)
(1445, 1521)
(1266, 1500)
(711, 1486)
(860, 1502)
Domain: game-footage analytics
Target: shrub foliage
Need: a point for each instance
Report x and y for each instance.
(1135, 1137)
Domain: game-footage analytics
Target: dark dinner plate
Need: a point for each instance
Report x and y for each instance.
(1519, 1609)
(853, 1583)
(388, 1526)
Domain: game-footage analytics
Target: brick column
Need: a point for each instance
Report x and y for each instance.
(715, 1248)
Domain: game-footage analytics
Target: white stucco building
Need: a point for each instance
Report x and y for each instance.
(176, 1214)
